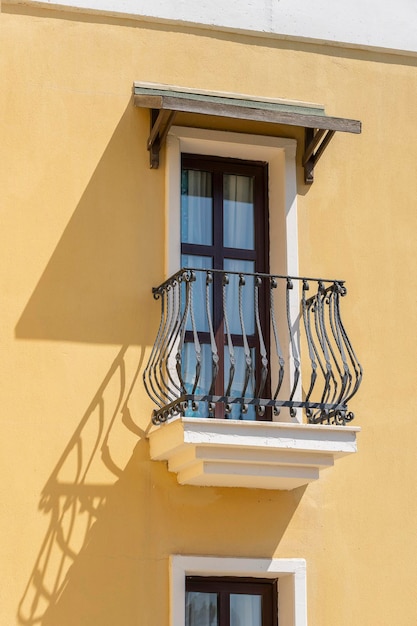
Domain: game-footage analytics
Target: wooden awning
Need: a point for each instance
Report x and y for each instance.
(165, 102)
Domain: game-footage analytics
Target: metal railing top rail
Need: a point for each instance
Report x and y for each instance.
(184, 270)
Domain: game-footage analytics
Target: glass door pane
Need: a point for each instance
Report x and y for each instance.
(245, 610)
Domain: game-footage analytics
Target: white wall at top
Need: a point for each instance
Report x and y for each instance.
(374, 23)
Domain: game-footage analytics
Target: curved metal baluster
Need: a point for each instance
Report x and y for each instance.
(319, 324)
(293, 412)
(187, 277)
(315, 309)
(312, 305)
(310, 345)
(354, 360)
(165, 386)
(197, 346)
(262, 348)
(311, 311)
(153, 356)
(157, 376)
(327, 298)
(174, 334)
(346, 378)
(230, 348)
(281, 359)
(248, 359)
(214, 354)
(318, 321)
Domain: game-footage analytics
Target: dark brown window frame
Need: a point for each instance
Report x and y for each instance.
(219, 166)
(226, 585)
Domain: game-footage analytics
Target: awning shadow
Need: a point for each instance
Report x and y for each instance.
(98, 280)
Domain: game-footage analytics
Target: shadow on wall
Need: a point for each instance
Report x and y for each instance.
(106, 547)
(82, 574)
(107, 543)
(100, 275)
(96, 288)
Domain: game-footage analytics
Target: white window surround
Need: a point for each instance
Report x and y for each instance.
(291, 574)
(280, 155)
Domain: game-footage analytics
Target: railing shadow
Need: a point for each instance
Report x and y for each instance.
(74, 502)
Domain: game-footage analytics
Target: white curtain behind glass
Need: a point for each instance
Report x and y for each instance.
(200, 609)
(245, 610)
(238, 220)
(196, 208)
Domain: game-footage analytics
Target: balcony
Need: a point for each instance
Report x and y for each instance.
(251, 375)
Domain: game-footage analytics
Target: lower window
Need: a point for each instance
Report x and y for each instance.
(289, 575)
(230, 601)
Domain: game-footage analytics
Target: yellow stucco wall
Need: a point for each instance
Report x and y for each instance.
(87, 521)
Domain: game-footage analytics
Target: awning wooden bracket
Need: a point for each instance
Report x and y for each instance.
(316, 141)
(161, 122)
(166, 102)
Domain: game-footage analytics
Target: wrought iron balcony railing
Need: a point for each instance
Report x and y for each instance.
(246, 346)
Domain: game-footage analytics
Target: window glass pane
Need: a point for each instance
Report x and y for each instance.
(239, 381)
(196, 208)
(201, 609)
(198, 291)
(238, 212)
(232, 297)
(245, 610)
(189, 372)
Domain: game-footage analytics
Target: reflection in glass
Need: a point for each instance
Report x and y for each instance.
(196, 208)
(245, 610)
(238, 212)
(200, 609)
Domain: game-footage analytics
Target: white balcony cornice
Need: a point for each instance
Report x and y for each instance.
(265, 455)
